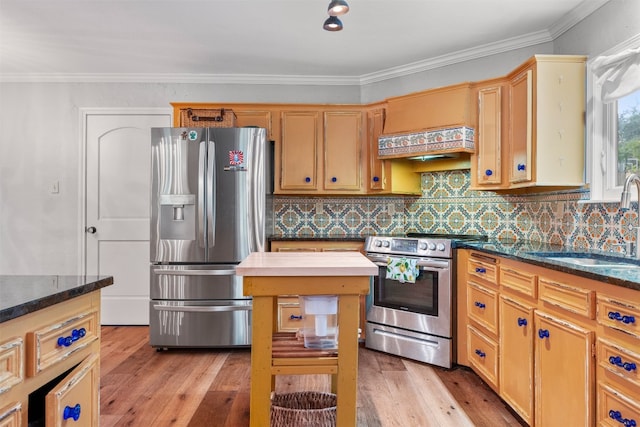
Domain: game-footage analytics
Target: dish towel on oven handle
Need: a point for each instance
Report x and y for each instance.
(404, 270)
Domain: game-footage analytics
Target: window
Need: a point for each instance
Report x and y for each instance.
(613, 119)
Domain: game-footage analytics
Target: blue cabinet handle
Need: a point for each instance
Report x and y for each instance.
(614, 315)
(481, 270)
(617, 415)
(488, 172)
(76, 334)
(70, 412)
(294, 317)
(522, 321)
(627, 366)
(376, 179)
(479, 304)
(480, 353)
(543, 333)
(521, 166)
(334, 179)
(307, 179)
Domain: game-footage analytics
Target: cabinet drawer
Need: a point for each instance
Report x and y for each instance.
(482, 306)
(11, 363)
(483, 355)
(289, 315)
(11, 415)
(483, 269)
(620, 361)
(576, 300)
(55, 342)
(75, 398)
(615, 409)
(519, 281)
(619, 315)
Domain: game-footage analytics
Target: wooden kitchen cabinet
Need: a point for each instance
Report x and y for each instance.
(300, 150)
(33, 358)
(547, 121)
(567, 347)
(564, 372)
(516, 356)
(489, 164)
(321, 151)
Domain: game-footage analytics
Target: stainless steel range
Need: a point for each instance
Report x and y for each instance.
(411, 314)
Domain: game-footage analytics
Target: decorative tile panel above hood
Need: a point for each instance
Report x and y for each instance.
(437, 143)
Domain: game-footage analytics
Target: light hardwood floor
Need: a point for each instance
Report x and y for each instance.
(197, 388)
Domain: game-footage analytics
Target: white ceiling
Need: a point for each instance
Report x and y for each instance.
(265, 39)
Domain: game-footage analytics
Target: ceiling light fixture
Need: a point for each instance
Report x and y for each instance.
(332, 24)
(338, 7)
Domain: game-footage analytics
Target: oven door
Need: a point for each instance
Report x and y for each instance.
(423, 306)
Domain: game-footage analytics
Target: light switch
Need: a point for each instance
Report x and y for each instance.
(55, 187)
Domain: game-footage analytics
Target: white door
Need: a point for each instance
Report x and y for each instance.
(118, 154)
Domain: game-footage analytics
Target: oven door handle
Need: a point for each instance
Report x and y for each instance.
(430, 265)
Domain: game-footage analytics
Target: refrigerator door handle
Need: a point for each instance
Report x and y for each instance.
(202, 309)
(195, 272)
(256, 190)
(211, 194)
(202, 165)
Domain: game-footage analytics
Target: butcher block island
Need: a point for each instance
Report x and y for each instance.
(50, 350)
(269, 274)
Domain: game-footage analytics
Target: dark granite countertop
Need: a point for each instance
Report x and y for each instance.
(537, 253)
(20, 295)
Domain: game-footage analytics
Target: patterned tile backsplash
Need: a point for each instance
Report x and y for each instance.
(447, 205)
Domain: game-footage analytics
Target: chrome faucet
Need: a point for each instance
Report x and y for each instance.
(625, 203)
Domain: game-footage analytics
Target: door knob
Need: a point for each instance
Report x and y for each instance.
(92, 230)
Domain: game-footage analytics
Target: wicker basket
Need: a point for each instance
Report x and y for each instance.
(303, 409)
(207, 118)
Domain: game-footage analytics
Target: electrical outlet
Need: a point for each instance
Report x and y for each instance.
(391, 209)
(319, 207)
(559, 209)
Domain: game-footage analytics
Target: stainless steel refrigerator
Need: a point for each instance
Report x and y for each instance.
(210, 208)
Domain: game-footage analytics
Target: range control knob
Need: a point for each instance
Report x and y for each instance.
(385, 243)
(432, 246)
(422, 246)
(377, 243)
(440, 246)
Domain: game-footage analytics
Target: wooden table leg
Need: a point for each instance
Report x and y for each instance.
(261, 380)
(346, 388)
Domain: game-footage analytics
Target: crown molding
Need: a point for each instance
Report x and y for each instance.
(248, 79)
(459, 56)
(584, 9)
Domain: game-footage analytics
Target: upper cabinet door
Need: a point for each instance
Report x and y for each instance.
(299, 150)
(257, 118)
(521, 115)
(377, 176)
(489, 136)
(342, 150)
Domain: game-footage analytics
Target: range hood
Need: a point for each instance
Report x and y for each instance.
(427, 144)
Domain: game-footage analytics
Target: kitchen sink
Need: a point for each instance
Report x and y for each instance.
(588, 260)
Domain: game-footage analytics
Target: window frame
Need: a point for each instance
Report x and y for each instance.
(601, 144)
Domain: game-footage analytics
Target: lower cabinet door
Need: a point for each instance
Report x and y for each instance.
(564, 373)
(516, 356)
(11, 416)
(75, 400)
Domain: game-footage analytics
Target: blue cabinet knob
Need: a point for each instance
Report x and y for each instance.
(617, 415)
(481, 270)
(480, 353)
(521, 166)
(334, 179)
(307, 179)
(479, 304)
(294, 317)
(522, 321)
(70, 412)
(376, 179)
(543, 333)
(488, 172)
